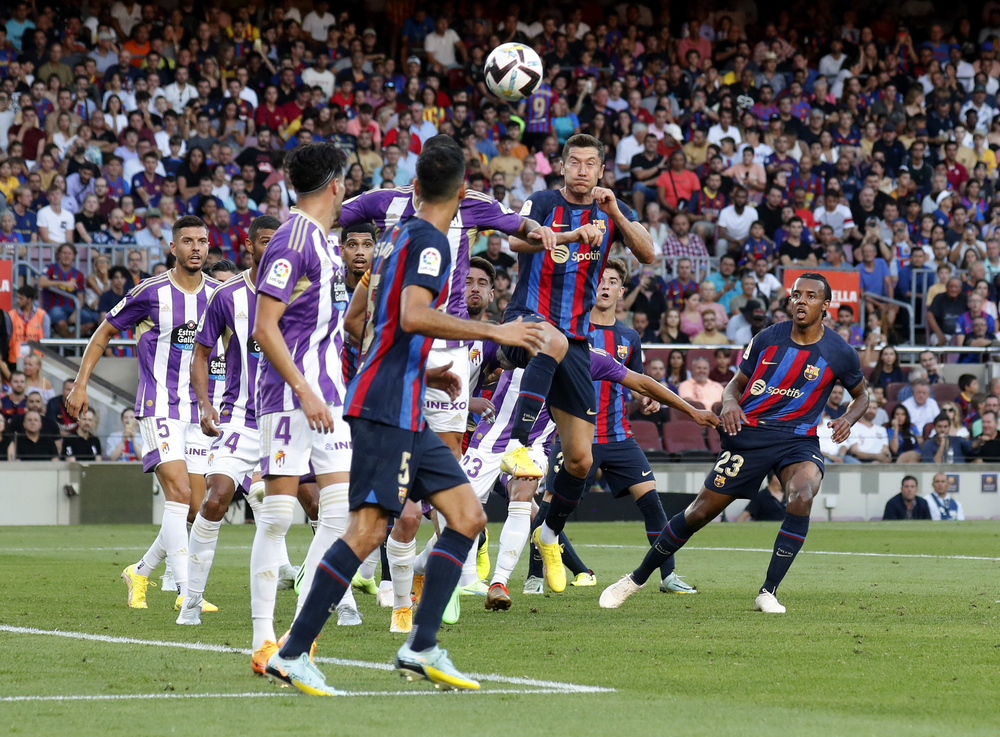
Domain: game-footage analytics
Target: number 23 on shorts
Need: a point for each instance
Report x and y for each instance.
(734, 460)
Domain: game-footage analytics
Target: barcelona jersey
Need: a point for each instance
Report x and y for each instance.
(789, 383)
(389, 386)
(624, 345)
(559, 285)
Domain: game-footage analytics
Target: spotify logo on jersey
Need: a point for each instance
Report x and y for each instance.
(560, 254)
(758, 387)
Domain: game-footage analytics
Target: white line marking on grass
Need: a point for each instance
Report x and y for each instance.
(537, 686)
(805, 552)
(267, 694)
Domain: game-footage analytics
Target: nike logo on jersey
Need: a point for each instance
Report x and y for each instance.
(770, 363)
(590, 413)
(818, 458)
(558, 226)
(646, 473)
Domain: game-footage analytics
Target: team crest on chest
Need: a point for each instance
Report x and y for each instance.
(601, 225)
(622, 352)
(812, 372)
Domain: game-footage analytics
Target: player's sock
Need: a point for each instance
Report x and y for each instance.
(535, 384)
(443, 571)
(367, 569)
(255, 497)
(675, 533)
(655, 519)
(535, 565)
(401, 557)
(788, 543)
(567, 491)
(201, 552)
(173, 527)
(569, 557)
(386, 568)
(153, 557)
(274, 518)
(470, 573)
(420, 562)
(332, 580)
(333, 513)
(513, 536)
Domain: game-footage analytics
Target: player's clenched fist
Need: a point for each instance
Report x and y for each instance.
(607, 201)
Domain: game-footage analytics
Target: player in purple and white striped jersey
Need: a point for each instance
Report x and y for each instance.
(166, 310)
(301, 301)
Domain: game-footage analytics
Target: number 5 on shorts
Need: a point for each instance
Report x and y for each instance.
(404, 469)
(735, 466)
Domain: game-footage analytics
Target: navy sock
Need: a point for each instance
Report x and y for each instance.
(655, 519)
(569, 557)
(567, 491)
(482, 539)
(535, 385)
(444, 568)
(669, 541)
(535, 562)
(789, 542)
(332, 579)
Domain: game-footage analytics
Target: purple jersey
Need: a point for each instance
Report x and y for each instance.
(303, 269)
(478, 211)
(229, 316)
(166, 319)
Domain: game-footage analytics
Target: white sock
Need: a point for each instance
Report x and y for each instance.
(548, 536)
(255, 497)
(272, 524)
(367, 569)
(513, 537)
(201, 552)
(401, 557)
(173, 529)
(469, 573)
(420, 562)
(333, 512)
(153, 557)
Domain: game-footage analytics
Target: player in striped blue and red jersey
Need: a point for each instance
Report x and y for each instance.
(397, 314)
(556, 287)
(537, 108)
(770, 412)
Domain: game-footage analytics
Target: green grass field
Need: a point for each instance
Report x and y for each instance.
(885, 644)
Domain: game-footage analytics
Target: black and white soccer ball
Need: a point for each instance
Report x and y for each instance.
(513, 71)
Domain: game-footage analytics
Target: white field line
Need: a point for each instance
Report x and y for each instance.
(267, 694)
(804, 552)
(538, 685)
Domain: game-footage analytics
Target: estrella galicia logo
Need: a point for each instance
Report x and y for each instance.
(182, 337)
(217, 368)
(253, 348)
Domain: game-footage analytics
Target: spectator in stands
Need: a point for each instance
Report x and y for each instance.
(945, 311)
(767, 289)
(56, 413)
(677, 289)
(646, 294)
(120, 284)
(677, 372)
(676, 185)
(710, 333)
(869, 442)
(887, 369)
(682, 242)
(670, 328)
(734, 222)
(944, 447)
(968, 385)
(834, 407)
(34, 379)
(928, 361)
(699, 388)
(30, 444)
(874, 272)
(14, 403)
(708, 302)
(26, 322)
(125, 444)
(768, 505)
(750, 320)
(82, 445)
(135, 273)
(793, 251)
(722, 372)
(495, 255)
(903, 441)
(640, 322)
(943, 506)
(63, 278)
(657, 370)
(980, 337)
(726, 281)
(55, 225)
(923, 409)
(906, 504)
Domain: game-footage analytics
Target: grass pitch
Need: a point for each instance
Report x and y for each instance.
(886, 643)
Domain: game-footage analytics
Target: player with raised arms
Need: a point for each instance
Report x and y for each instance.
(770, 411)
(399, 313)
(165, 311)
(556, 288)
(301, 303)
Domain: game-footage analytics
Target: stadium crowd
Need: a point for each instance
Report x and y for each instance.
(829, 135)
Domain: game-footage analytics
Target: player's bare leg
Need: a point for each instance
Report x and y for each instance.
(400, 550)
(171, 542)
(198, 486)
(801, 482)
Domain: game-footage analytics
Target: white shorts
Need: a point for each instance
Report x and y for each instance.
(168, 440)
(235, 453)
(483, 468)
(442, 414)
(288, 445)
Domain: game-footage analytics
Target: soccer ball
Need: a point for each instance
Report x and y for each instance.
(513, 71)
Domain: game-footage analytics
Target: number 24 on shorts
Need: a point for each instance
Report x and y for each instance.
(734, 460)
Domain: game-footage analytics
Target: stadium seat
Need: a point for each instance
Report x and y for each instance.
(889, 407)
(892, 391)
(647, 435)
(928, 429)
(717, 408)
(714, 441)
(696, 405)
(456, 78)
(945, 392)
(679, 443)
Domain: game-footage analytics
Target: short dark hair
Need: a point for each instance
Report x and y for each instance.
(965, 380)
(619, 266)
(312, 166)
(909, 478)
(361, 227)
(222, 265)
(827, 293)
(116, 270)
(942, 418)
(28, 291)
(187, 221)
(440, 169)
(263, 222)
(582, 140)
(478, 262)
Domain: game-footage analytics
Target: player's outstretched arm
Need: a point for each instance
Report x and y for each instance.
(199, 382)
(76, 402)
(855, 411)
(267, 333)
(732, 415)
(417, 316)
(636, 238)
(650, 387)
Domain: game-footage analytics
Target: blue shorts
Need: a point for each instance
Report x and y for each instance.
(393, 465)
(572, 388)
(646, 191)
(63, 314)
(622, 462)
(748, 456)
